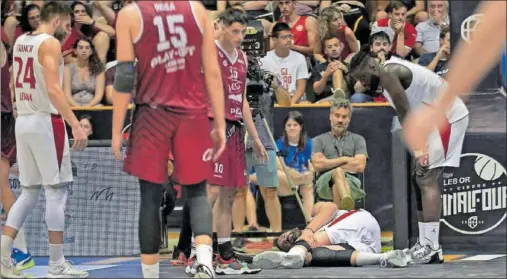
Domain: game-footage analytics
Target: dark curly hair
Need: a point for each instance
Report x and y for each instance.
(23, 20)
(95, 66)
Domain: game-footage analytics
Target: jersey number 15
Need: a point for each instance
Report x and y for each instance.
(25, 69)
(177, 34)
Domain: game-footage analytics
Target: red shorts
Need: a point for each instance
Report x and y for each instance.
(8, 137)
(230, 169)
(155, 133)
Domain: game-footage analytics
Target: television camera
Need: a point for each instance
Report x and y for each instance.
(259, 80)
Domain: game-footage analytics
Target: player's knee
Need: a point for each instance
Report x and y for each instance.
(56, 199)
(23, 206)
(200, 209)
(149, 221)
(241, 193)
(322, 256)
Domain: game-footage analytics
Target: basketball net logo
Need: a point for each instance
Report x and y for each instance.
(469, 26)
(474, 196)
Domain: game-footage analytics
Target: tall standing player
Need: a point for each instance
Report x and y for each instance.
(20, 255)
(177, 64)
(41, 139)
(466, 69)
(409, 86)
(230, 169)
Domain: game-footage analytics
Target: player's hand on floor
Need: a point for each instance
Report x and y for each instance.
(80, 138)
(116, 143)
(218, 138)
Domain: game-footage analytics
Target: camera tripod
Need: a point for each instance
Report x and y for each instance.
(279, 156)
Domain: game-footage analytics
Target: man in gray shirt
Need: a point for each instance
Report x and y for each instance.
(338, 156)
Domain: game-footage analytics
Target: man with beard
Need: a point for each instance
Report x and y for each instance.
(333, 238)
(338, 156)
(41, 138)
(409, 86)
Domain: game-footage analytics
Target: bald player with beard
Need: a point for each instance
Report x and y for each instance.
(488, 40)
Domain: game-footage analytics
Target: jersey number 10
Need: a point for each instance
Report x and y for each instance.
(27, 70)
(177, 34)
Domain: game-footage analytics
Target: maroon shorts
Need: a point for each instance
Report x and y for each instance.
(156, 134)
(230, 169)
(8, 137)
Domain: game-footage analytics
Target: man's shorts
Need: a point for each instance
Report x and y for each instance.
(8, 137)
(43, 152)
(325, 183)
(444, 147)
(267, 173)
(157, 133)
(230, 169)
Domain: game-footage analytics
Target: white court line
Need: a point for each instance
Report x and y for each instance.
(482, 257)
(41, 271)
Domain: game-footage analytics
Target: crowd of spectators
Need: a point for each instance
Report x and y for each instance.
(311, 59)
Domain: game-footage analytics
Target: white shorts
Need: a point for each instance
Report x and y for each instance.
(444, 149)
(42, 150)
(358, 228)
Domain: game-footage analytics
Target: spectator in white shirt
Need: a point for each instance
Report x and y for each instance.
(288, 66)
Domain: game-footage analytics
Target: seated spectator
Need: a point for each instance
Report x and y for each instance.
(437, 61)
(328, 77)
(303, 28)
(83, 81)
(415, 10)
(332, 24)
(428, 32)
(401, 33)
(87, 123)
(338, 157)
(266, 25)
(288, 66)
(110, 72)
(28, 21)
(355, 15)
(84, 26)
(296, 149)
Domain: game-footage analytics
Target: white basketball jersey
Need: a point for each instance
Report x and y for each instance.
(425, 87)
(29, 84)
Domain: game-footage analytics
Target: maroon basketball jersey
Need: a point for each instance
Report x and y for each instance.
(6, 91)
(169, 57)
(233, 71)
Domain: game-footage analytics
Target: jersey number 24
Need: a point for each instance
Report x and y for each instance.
(25, 70)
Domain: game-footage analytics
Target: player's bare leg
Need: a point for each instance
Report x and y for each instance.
(341, 190)
(429, 250)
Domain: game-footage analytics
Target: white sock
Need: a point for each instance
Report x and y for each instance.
(367, 258)
(431, 234)
(422, 229)
(204, 255)
(298, 250)
(150, 270)
(6, 247)
(20, 242)
(222, 240)
(56, 254)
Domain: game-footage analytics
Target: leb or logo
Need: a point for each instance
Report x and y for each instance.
(474, 196)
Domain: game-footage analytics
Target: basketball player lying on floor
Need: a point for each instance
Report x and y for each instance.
(333, 238)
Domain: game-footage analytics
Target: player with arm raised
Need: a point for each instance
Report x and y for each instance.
(41, 138)
(177, 68)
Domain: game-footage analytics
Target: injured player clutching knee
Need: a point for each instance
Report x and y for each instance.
(333, 238)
